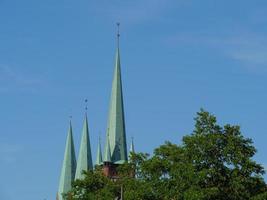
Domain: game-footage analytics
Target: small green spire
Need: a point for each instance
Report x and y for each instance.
(85, 158)
(99, 160)
(132, 146)
(68, 167)
(116, 122)
(107, 156)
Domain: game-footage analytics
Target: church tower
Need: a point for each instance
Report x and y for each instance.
(116, 148)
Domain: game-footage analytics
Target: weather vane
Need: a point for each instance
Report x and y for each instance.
(118, 33)
(86, 108)
(118, 25)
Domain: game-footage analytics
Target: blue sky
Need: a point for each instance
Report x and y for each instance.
(177, 56)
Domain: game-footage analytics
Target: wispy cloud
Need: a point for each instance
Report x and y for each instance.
(248, 48)
(9, 153)
(12, 78)
(258, 57)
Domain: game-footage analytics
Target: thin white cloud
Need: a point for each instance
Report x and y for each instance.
(251, 56)
(13, 79)
(249, 49)
(9, 153)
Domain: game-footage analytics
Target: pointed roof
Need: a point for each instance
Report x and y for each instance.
(85, 157)
(116, 122)
(107, 156)
(68, 167)
(132, 146)
(99, 159)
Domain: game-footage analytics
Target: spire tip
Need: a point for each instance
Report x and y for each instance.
(86, 105)
(118, 34)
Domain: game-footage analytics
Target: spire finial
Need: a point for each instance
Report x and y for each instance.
(70, 117)
(86, 107)
(118, 33)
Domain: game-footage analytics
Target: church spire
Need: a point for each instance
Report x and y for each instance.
(85, 157)
(99, 159)
(107, 156)
(116, 123)
(68, 167)
(132, 146)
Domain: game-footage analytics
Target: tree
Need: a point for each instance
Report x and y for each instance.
(93, 186)
(212, 163)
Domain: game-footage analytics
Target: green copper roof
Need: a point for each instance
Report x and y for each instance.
(132, 146)
(107, 156)
(68, 167)
(131, 149)
(116, 123)
(85, 158)
(99, 160)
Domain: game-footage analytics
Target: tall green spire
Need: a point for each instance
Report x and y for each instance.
(85, 158)
(68, 167)
(99, 160)
(116, 123)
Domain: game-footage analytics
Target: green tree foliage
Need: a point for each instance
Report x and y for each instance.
(213, 163)
(94, 186)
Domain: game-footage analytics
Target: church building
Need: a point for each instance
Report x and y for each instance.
(115, 150)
